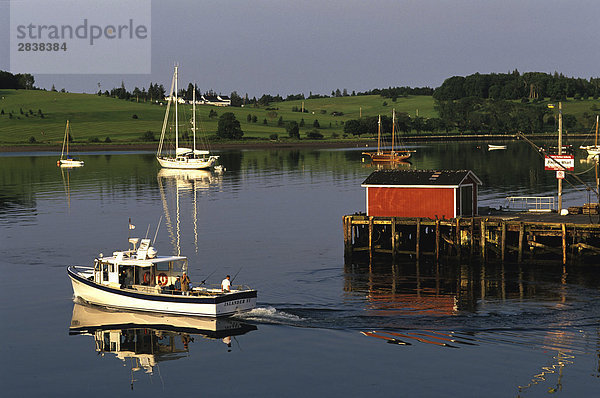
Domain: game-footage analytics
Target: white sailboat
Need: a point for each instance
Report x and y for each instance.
(65, 159)
(182, 158)
(593, 150)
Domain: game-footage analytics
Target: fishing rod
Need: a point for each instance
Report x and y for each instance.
(204, 281)
(232, 279)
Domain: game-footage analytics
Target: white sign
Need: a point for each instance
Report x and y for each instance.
(559, 162)
(560, 174)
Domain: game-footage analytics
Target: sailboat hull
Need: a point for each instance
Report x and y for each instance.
(70, 163)
(185, 163)
(388, 157)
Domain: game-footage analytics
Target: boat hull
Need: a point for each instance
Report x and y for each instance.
(388, 157)
(70, 163)
(203, 305)
(187, 163)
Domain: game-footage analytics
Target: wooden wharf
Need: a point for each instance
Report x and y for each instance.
(497, 236)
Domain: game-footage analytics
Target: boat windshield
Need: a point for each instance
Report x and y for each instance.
(177, 266)
(180, 265)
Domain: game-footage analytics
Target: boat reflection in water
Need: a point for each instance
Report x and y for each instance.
(145, 339)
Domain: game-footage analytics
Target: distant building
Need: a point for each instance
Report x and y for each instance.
(217, 100)
(172, 98)
(422, 193)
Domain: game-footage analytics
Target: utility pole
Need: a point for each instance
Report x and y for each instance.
(559, 153)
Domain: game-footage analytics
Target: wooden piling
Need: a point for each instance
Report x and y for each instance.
(370, 237)
(521, 236)
(437, 240)
(394, 243)
(418, 237)
(458, 239)
(483, 239)
(503, 240)
(563, 228)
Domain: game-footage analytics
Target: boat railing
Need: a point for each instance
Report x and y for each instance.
(194, 291)
(531, 203)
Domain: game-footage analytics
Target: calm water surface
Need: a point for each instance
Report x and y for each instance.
(321, 328)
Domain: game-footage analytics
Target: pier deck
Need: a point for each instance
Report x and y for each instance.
(496, 236)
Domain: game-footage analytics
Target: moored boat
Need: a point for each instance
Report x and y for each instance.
(395, 155)
(67, 160)
(138, 279)
(492, 147)
(181, 157)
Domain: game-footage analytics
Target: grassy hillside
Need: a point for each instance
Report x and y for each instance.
(42, 115)
(92, 116)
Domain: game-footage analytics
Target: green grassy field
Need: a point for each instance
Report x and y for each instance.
(94, 118)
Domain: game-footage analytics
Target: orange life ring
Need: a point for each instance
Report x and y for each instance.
(162, 279)
(146, 277)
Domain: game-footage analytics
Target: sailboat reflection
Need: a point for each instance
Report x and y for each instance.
(181, 181)
(145, 339)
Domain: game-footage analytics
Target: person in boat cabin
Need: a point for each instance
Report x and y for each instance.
(185, 284)
(226, 284)
(177, 285)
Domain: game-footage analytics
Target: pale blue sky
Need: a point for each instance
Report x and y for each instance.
(288, 47)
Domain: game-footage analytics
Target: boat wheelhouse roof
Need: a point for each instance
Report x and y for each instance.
(139, 262)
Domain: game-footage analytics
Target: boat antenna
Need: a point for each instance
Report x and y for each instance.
(156, 233)
(204, 281)
(147, 230)
(236, 274)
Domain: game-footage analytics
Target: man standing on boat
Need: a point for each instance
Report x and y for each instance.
(185, 284)
(226, 284)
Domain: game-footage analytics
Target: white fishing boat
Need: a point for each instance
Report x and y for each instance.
(492, 147)
(65, 159)
(138, 279)
(593, 150)
(182, 157)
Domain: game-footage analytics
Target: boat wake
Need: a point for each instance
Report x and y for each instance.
(270, 315)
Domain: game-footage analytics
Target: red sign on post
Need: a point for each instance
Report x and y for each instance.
(560, 175)
(559, 162)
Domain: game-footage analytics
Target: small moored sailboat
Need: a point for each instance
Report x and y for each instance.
(138, 279)
(65, 159)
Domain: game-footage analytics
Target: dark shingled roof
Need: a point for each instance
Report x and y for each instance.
(419, 177)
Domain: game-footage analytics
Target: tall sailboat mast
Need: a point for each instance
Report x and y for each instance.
(379, 134)
(393, 128)
(176, 122)
(194, 118)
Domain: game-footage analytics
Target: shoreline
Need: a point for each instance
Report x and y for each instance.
(264, 144)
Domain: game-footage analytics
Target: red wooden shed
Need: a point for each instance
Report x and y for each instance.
(422, 193)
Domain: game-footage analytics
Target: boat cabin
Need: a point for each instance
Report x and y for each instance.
(139, 267)
(422, 193)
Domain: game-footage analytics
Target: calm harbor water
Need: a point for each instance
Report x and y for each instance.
(322, 327)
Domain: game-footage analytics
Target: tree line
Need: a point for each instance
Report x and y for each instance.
(23, 81)
(516, 86)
